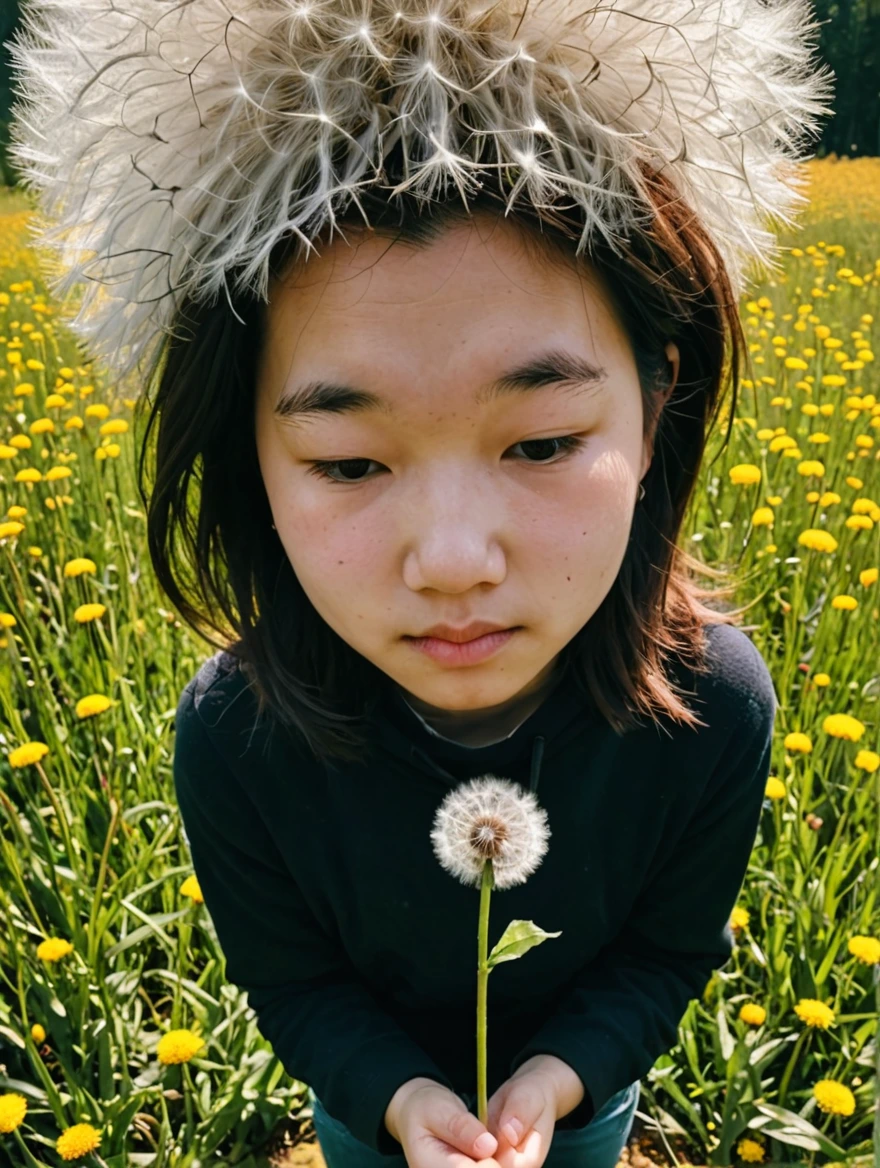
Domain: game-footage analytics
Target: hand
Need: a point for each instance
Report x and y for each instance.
(436, 1129)
(541, 1091)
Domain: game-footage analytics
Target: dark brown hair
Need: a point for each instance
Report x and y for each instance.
(224, 568)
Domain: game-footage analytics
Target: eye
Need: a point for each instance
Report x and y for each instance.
(568, 444)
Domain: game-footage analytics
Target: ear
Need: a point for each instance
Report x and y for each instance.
(674, 357)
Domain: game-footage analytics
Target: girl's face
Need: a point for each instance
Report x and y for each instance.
(454, 495)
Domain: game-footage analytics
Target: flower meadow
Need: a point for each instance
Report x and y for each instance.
(121, 1042)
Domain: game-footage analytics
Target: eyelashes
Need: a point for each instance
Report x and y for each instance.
(569, 444)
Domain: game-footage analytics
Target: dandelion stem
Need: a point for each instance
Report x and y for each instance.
(482, 988)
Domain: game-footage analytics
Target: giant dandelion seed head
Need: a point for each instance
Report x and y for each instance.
(172, 144)
(489, 818)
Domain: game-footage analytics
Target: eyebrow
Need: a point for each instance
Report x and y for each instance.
(555, 367)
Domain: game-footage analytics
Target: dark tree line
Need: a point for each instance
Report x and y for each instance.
(849, 42)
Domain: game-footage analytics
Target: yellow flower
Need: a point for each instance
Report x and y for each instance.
(860, 522)
(30, 753)
(868, 760)
(191, 887)
(775, 788)
(88, 612)
(834, 380)
(866, 949)
(844, 726)
(28, 474)
(739, 918)
(7, 620)
(868, 576)
(58, 472)
(822, 679)
(753, 1014)
(844, 601)
(814, 1013)
(795, 363)
(77, 1141)
(811, 466)
(750, 1150)
(93, 704)
(12, 1111)
(178, 1046)
(763, 517)
(79, 565)
(38, 1034)
(818, 540)
(834, 1097)
(745, 473)
(42, 426)
(798, 741)
(851, 481)
(17, 512)
(53, 949)
(114, 426)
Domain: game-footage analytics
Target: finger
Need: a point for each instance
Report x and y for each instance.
(522, 1109)
(463, 1130)
(430, 1151)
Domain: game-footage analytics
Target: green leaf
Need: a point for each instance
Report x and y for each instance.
(518, 938)
(791, 1128)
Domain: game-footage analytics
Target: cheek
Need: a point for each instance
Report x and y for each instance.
(331, 547)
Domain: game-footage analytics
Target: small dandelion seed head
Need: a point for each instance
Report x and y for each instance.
(490, 818)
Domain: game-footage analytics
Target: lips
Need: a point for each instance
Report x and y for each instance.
(469, 632)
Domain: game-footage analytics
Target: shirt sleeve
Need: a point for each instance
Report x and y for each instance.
(322, 1022)
(622, 1011)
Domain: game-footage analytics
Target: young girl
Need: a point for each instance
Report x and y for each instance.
(419, 476)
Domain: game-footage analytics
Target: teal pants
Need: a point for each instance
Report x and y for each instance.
(598, 1145)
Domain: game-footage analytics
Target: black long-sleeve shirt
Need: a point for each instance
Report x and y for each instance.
(358, 951)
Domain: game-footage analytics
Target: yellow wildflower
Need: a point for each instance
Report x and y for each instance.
(750, 1150)
(844, 601)
(12, 1110)
(89, 612)
(745, 473)
(844, 726)
(795, 363)
(92, 704)
(53, 949)
(114, 426)
(868, 576)
(77, 1141)
(178, 1046)
(868, 760)
(30, 753)
(739, 918)
(817, 540)
(834, 1097)
(753, 1014)
(775, 788)
(866, 949)
(7, 620)
(814, 1013)
(822, 679)
(798, 741)
(77, 566)
(763, 517)
(38, 1034)
(191, 887)
(811, 466)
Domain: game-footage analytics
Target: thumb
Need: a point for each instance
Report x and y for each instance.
(464, 1131)
(523, 1107)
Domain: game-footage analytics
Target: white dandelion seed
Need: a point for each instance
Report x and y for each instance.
(489, 818)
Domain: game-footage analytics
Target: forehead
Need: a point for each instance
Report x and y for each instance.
(462, 304)
(375, 278)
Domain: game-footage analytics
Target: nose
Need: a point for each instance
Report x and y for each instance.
(455, 543)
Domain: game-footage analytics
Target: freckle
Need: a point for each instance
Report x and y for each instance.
(568, 578)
